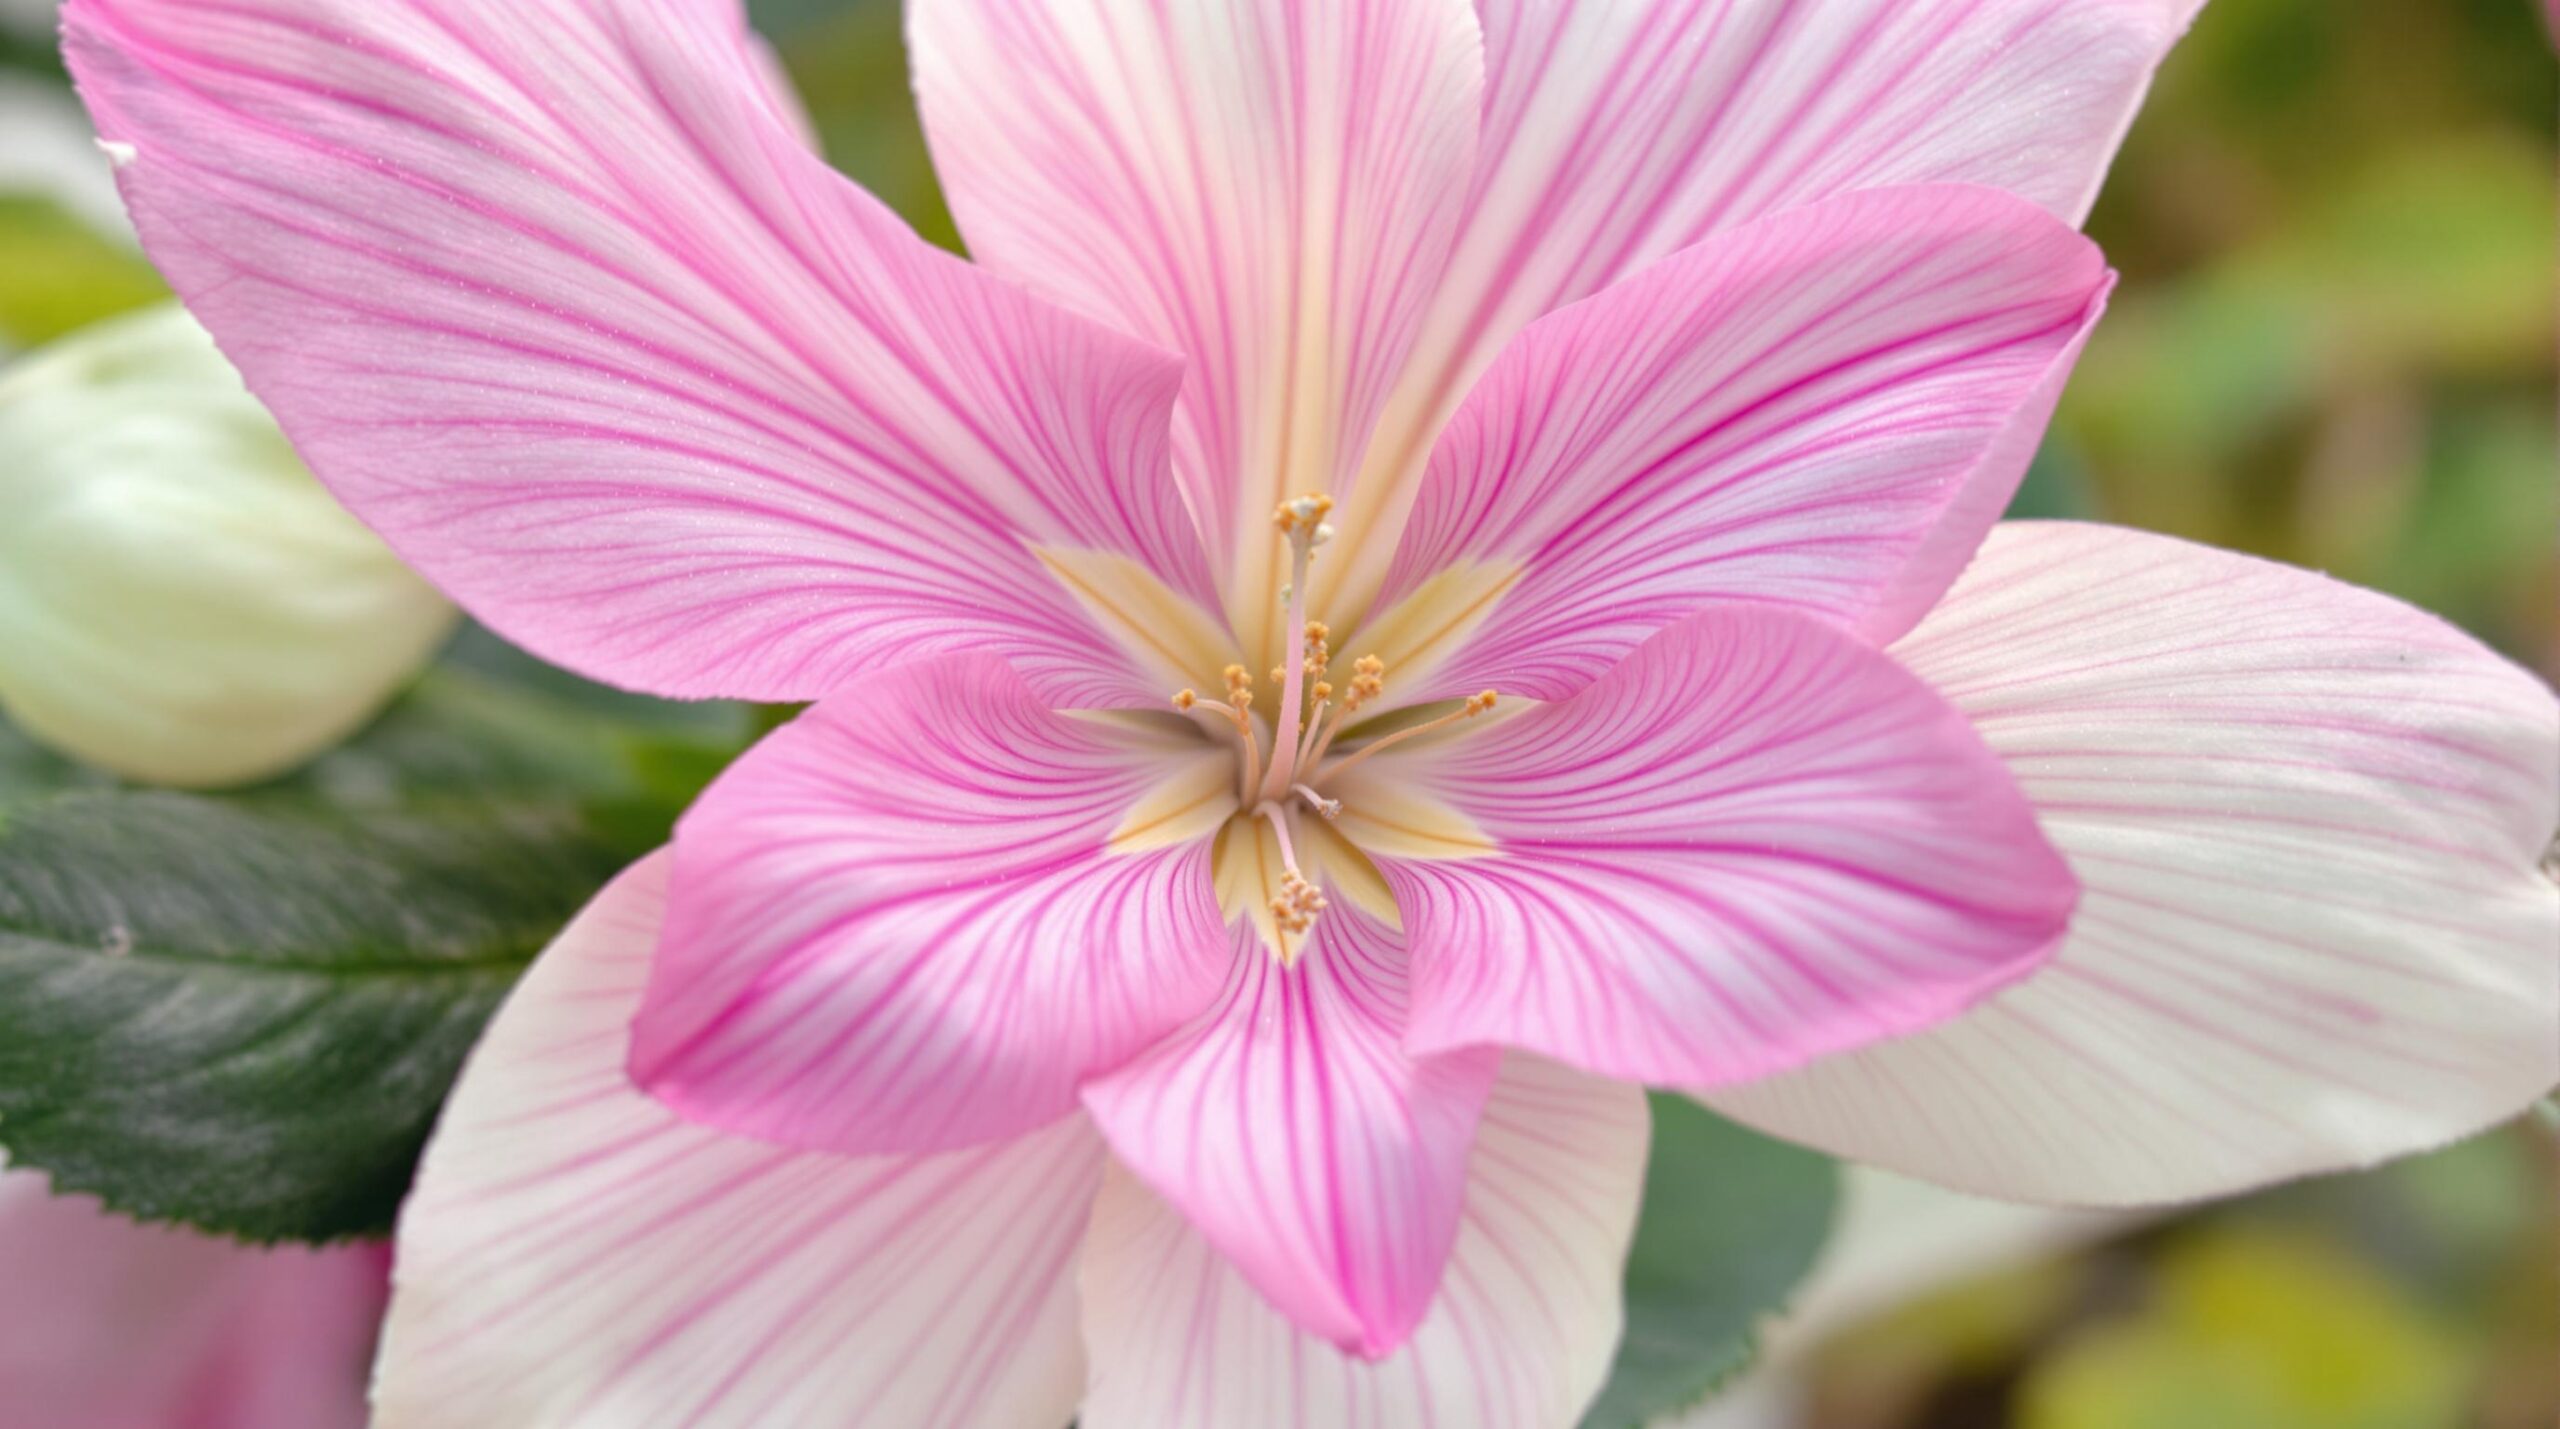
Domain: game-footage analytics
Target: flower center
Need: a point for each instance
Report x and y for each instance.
(1300, 759)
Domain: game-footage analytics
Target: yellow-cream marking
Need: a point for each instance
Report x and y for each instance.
(1424, 627)
(1146, 616)
(1246, 863)
(1332, 861)
(1385, 817)
(1188, 805)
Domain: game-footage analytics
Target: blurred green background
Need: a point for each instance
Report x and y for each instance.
(2333, 345)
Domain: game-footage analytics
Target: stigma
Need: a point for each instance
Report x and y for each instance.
(1282, 767)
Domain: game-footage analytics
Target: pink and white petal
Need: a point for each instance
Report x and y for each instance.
(576, 1256)
(912, 919)
(1823, 410)
(1618, 133)
(1521, 1336)
(1755, 843)
(556, 298)
(1289, 1126)
(2306, 820)
(1269, 189)
(107, 1324)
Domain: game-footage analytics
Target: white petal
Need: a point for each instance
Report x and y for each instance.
(576, 1257)
(1523, 1332)
(2313, 934)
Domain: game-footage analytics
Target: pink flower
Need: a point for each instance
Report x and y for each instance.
(1628, 385)
(114, 1325)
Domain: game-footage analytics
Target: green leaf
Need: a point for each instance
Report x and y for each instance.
(2057, 487)
(242, 1010)
(58, 274)
(29, 47)
(1732, 1221)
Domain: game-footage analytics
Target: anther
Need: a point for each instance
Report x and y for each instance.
(1295, 906)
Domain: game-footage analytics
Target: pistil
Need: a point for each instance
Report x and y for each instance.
(1301, 523)
(1331, 809)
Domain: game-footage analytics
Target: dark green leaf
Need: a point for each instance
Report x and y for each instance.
(242, 1010)
(1732, 1221)
(29, 47)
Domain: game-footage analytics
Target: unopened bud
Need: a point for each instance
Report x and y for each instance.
(180, 602)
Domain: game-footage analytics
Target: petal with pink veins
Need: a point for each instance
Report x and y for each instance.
(2313, 934)
(1269, 189)
(1754, 843)
(1521, 1335)
(1823, 410)
(1618, 132)
(916, 918)
(576, 1256)
(1290, 1126)
(554, 296)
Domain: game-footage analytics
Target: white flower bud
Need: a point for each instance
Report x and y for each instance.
(180, 602)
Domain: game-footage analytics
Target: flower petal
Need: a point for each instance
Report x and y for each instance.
(1823, 410)
(1269, 189)
(1618, 133)
(1291, 1128)
(1520, 1337)
(1754, 843)
(576, 1256)
(915, 918)
(554, 296)
(2306, 820)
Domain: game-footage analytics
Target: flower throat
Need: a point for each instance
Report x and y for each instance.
(1300, 760)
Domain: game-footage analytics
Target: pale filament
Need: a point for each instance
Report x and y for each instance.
(1301, 523)
(1310, 717)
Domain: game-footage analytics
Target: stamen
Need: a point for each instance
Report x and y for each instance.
(1218, 713)
(1368, 681)
(1315, 727)
(1225, 718)
(1476, 704)
(1240, 703)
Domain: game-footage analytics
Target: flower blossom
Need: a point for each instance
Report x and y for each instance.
(1438, 569)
